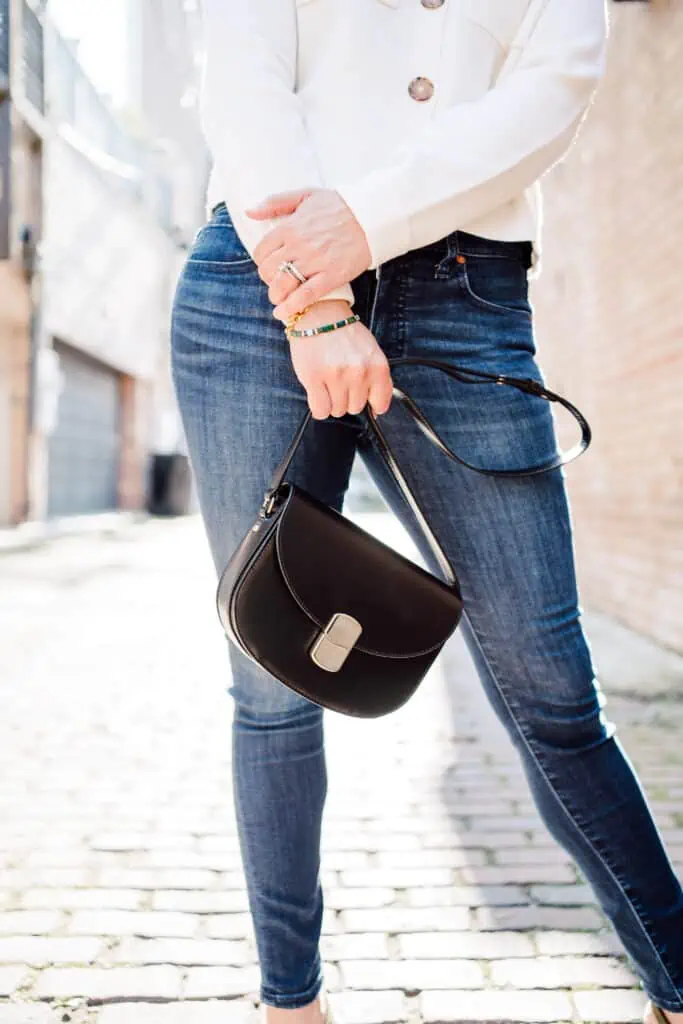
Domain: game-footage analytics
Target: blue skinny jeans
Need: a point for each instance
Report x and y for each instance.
(463, 299)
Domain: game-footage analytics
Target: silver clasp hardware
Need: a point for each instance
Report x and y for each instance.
(336, 642)
(268, 506)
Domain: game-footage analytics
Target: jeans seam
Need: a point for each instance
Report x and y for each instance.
(401, 331)
(226, 265)
(527, 743)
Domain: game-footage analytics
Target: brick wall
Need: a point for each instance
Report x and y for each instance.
(610, 322)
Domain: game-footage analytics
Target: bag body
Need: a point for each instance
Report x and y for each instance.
(332, 612)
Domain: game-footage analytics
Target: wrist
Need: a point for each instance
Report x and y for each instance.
(325, 311)
(294, 331)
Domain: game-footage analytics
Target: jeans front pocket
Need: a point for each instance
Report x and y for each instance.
(496, 282)
(217, 245)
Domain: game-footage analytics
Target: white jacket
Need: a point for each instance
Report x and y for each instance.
(427, 116)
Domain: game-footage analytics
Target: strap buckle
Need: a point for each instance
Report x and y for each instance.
(268, 504)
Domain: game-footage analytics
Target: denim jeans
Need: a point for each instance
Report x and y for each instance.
(462, 299)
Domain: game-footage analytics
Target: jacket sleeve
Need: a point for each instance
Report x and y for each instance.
(250, 113)
(474, 157)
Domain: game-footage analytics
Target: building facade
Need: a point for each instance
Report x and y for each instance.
(610, 322)
(22, 131)
(111, 205)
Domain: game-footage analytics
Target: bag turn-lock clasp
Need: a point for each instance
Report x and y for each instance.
(335, 643)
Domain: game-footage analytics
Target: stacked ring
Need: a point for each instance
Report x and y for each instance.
(288, 267)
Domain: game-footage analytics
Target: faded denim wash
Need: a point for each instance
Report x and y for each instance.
(462, 299)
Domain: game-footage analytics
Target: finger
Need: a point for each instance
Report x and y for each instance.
(381, 389)
(281, 288)
(305, 295)
(319, 400)
(339, 394)
(268, 269)
(279, 205)
(280, 283)
(358, 391)
(273, 241)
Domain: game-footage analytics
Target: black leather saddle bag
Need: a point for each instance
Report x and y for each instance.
(332, 612)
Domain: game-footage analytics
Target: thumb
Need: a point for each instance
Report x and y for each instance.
(279, 205)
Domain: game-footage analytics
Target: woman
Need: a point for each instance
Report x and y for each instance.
(378, 159)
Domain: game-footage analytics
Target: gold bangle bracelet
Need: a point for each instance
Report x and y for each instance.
(294, 319)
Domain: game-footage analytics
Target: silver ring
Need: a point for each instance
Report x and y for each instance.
(287, 267)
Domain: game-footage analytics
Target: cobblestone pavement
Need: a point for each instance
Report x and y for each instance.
(121, 891)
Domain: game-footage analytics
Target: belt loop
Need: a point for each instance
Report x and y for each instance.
(443, 268)
(454, 244)
(458, 248)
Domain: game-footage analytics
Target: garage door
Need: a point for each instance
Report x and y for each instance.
(84, 447)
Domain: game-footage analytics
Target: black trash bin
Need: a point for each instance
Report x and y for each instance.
(170, 490)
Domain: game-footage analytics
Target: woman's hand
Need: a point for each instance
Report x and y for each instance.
(344, 370)
(320, 235)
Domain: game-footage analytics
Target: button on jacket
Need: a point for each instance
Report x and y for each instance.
(428, 116)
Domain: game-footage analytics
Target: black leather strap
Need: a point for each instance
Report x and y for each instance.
(465, 376)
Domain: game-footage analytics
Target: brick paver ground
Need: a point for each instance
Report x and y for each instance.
(121, 891)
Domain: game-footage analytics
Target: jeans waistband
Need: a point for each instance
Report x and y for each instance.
(458, 242)
(462, 243)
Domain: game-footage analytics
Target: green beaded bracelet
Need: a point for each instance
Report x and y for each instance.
(309, 332)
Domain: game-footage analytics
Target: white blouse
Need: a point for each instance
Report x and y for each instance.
(426, 115)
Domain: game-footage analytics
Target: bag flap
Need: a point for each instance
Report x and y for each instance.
(331, 566)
